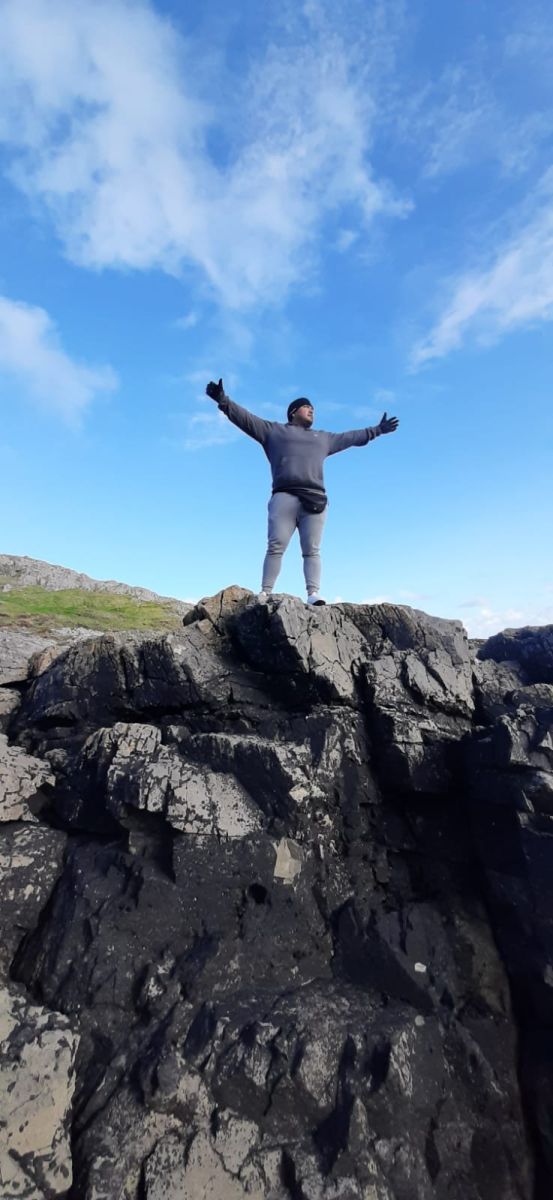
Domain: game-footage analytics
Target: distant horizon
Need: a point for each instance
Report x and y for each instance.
(277, 593)
(351, 202)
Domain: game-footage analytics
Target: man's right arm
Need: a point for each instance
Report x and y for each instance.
(254, 426)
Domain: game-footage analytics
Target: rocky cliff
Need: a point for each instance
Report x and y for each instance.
(277, 910)
(20, 571)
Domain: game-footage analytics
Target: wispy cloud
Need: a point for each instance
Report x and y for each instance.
(110, 132)
(485, 619)
(345, 239)
(491, 102)
(208, 429)
(413, 597)
(513, 290)
(461, 120)
(363, 415)
(532, 41)
(474, 602)
(189, 321)
(31, 353)
(199, 377)
(200, 423)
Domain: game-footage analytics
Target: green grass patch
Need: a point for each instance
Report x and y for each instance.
(38, 609)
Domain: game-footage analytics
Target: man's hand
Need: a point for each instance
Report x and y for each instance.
(387, 424)
(216, 391)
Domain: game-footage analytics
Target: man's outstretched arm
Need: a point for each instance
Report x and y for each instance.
(360, 437)
(254, 426)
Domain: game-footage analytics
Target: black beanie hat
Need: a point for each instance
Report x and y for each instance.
(293, 407)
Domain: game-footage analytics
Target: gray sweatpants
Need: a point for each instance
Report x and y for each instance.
(286, 513)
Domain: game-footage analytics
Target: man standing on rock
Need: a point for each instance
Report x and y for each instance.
(296, 453)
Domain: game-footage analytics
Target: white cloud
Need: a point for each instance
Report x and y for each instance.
(108, 130)
(492, 102)
(532, 42)
(474, 602)
(346, 238)
(31, 353)
(200, 424)
(209, 429)
(486, 620)
(362, 414)
(414, 597)
(462, 120)
(513, 290)
(200, 376)
(187, 322)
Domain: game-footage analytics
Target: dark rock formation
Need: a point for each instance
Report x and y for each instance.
(288, 877)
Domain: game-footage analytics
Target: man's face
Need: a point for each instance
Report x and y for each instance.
(304, 416)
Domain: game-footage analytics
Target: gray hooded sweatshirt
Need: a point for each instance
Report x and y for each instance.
(296, 455)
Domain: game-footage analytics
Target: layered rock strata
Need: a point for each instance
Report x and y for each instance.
(286, 876)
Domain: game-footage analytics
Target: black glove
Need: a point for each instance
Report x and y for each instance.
(388, 424)
(216, 391)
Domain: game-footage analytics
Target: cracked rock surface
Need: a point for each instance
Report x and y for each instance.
(37, 1055)
(288, 879)
(31, 858)
(22, 780)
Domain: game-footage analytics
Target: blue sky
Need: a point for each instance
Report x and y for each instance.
(346, 200)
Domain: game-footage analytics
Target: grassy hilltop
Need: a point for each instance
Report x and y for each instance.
(42, 611)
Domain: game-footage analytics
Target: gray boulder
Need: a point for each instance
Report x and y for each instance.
(31, 858)
(23, 779)
(17, 650)
(9, 703)
(530, 647)
(37, 1058)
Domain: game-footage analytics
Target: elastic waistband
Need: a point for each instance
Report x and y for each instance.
(295, 489)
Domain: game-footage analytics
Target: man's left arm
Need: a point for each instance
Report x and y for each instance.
(360, 437)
